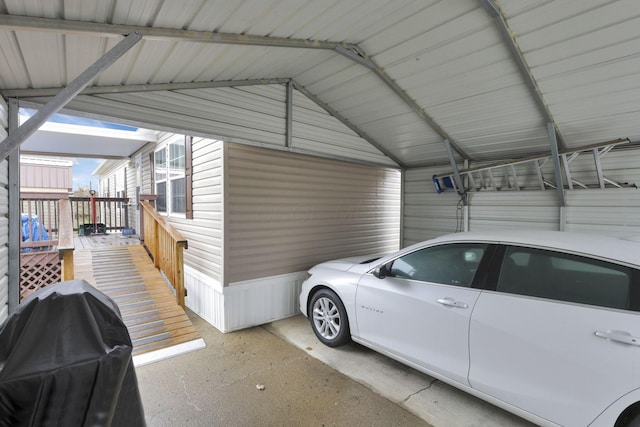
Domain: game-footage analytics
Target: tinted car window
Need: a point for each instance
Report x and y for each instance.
(565, 277)
(454, 264)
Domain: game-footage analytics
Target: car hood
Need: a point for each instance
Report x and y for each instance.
(356, 263)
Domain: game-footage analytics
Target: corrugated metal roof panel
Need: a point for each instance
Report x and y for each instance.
(449, 57)
(584, 55)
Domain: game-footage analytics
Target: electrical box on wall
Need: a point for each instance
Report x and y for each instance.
(446, 183)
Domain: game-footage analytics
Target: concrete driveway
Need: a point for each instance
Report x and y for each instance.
(281, 375)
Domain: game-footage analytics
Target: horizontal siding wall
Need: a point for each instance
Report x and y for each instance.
(254, 115)
(4, 221)
(428, 214)
(286, 212)
(204, 231)
(612, 211)
(491, 210)
(609, 211)
(134, 208)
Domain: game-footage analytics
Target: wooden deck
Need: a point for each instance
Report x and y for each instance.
(158, 326)
(104, 240)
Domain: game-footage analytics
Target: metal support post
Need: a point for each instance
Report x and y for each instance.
(289, 115)
(556, 163)
(13, 141)
(456, 173)
(596, 158)
(14, 213)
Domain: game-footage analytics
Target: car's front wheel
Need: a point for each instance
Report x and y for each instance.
(329, 318)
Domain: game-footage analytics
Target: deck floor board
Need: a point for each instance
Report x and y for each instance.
(147, 304)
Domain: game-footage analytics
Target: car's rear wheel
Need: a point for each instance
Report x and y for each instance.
(630, 417)
(329, 318)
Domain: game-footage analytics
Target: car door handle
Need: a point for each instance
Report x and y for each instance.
(619, 336)
(450, 302)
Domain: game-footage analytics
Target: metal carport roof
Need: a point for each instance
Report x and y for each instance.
(380, 81)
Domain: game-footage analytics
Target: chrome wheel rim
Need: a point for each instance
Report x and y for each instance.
(326, 318)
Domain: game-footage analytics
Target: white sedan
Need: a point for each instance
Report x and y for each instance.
(543, 324)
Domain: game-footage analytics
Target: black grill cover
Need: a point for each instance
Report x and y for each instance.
(65, 360)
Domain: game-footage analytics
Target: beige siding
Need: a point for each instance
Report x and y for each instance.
(204, 231)
(146, 187)
(286, 212)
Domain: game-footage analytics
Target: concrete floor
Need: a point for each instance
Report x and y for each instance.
(304, 384)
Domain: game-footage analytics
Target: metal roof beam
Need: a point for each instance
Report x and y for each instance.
(509, 38)
(357, 55)
(347, 123)
(456, 173)
(101, 90)
(350, 51)
(13, 141)
(18, 22)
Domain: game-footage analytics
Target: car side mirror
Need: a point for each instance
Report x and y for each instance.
(380, 272)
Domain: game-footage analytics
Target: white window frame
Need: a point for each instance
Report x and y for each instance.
(169, 174)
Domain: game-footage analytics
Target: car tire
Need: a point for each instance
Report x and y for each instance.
(634, 421)
(630, 417)
(329, 318)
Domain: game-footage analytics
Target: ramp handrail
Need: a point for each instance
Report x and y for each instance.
(165, 245)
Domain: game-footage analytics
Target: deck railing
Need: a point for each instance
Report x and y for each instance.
(166, 245)
(46, 247)
(111, 212)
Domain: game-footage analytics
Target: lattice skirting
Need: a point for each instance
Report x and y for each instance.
(37, 270)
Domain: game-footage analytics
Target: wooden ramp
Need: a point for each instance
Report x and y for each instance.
(158, 326)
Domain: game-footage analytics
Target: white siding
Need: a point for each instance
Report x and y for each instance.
(520, 210)
(131, 194)
(612, 211)
(204, 231)
(114, 182)
(263, 300)
(4, 222)
(314, 130)
(250, 114)
(428, 214)
(286, 212)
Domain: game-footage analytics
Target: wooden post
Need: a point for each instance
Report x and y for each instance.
(65, 239)
(179, 275)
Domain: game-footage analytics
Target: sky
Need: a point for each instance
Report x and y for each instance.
(82, 167)
(82, 177)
